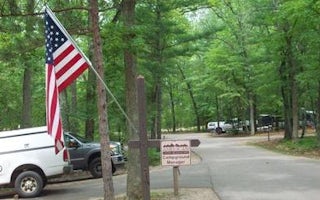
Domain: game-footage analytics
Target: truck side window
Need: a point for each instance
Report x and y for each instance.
(70, 142)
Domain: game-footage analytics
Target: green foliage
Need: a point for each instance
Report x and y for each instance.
(154, 156)
(307, 146)
(226, 49)
(300, 145)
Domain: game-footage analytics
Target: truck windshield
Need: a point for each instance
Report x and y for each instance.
(80, 138)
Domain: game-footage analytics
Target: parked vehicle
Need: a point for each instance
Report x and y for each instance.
(86, 155)
(221, 127)
(211, 126)
(28, 159)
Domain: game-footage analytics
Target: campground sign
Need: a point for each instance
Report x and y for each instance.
(175, 152)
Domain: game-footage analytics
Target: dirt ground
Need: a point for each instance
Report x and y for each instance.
(183, 194)
(166, 194)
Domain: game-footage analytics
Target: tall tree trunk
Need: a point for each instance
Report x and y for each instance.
(14, 9)
(156, 117)
(285, 92)
(158, 103)
(157, 74)
(153, 119)
(102, 104)
(90, 105)
(74, 125)
(195, 107)
(154, 113)
(134, 182)
(27, 75)
(291, 64)
(173, 112)
(26, 102)
(252, 118)
(318, 115)
(65, 109)
(90, 100)
(295, 110)
(292, 68)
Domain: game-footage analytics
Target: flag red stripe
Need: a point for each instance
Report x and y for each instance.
(53, 104)
(53, 107)
(53, 112)
(63, 54)
(67, 66)
(70, 79)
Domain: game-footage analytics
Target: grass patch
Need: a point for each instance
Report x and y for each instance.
(307, 146)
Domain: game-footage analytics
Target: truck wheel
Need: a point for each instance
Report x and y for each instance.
(95, 168)
(28, 184)
(113, 168)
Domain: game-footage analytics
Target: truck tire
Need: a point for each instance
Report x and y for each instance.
(95, 168)
(28, 184)
(113, 167)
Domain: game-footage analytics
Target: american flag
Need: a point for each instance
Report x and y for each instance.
(64, 63)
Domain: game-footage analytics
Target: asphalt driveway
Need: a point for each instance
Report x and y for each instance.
(243, 172)
(230, 167)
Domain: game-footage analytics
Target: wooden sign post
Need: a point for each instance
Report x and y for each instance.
(175, 153)
(143, 143)
(144, 161)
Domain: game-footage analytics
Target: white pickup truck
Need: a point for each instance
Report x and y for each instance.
(28, 159)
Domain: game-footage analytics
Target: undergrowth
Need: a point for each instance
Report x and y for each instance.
(308, 146)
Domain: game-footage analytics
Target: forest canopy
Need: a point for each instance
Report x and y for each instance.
(203, 60)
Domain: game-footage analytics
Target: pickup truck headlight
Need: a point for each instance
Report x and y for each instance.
(0, 168)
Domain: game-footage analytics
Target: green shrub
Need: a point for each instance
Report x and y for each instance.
(300, 145)
(154, 156)
(307, 146)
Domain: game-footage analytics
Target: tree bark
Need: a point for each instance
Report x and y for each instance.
(90, 100)
(26, 102)
(291, 64)
(27, 75)
(74, 125)
(285, 92)
(173, 112)
(102, 104)
(317, 124)
(158, 103)
(252, 117)
(292, 88)
(134, 182)
(194, 103)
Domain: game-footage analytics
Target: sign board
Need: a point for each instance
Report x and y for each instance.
(175, 152)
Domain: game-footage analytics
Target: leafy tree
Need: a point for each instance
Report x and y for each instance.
(237, 66)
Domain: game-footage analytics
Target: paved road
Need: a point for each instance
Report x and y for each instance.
(242, 172)
(233, 169)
